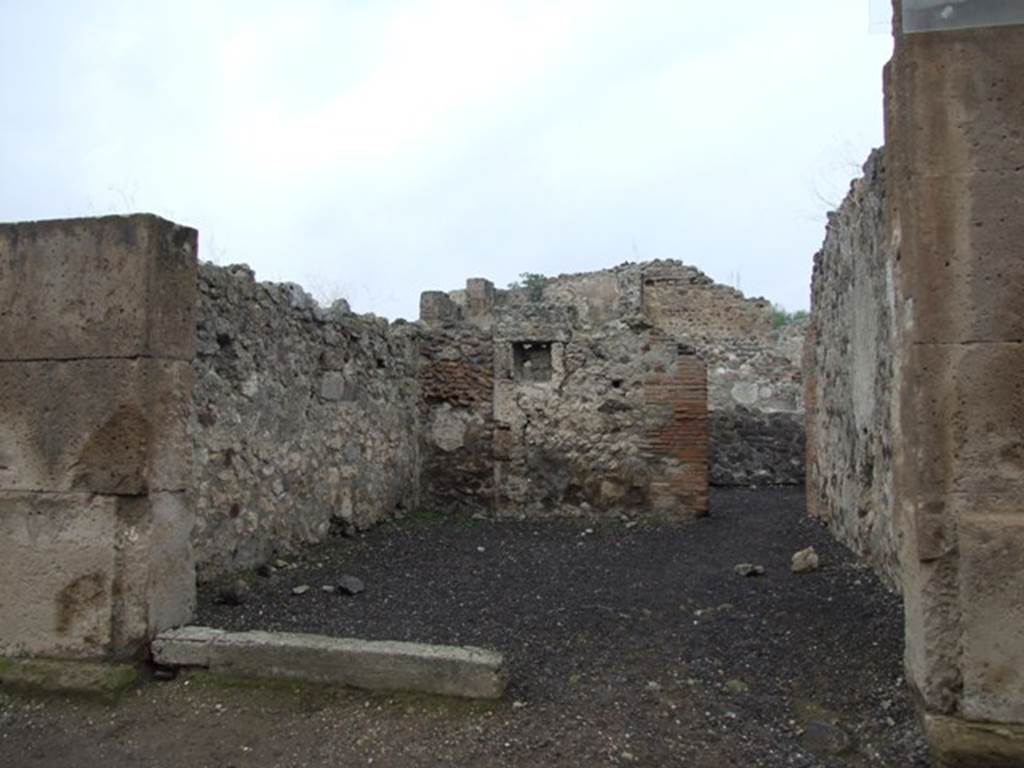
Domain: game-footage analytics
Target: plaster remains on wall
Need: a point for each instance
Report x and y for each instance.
(850, 376)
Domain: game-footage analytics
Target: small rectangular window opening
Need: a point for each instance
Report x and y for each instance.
(531, 360)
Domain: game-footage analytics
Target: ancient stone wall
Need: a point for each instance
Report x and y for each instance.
(457, 400)
(303, 418)
(96, 339)
(603, 422)
(850, 376)
(530, 412)
(687, 304)
(756, 401)
(754, 371)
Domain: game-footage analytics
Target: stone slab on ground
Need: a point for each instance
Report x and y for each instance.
(466, 672)
(958, 743)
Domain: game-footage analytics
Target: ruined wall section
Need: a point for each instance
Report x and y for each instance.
(756, 397)
(303, 418)
(617, 428)
(850, 376)
(456, 373)
(754, 372)
(607, 422)
(690, 306)
(530, 412)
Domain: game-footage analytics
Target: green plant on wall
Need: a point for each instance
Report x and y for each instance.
(782, 317)
(531, 282)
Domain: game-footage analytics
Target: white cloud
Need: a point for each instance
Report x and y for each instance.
(398, 145)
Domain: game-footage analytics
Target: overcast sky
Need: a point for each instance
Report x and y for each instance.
(373, 149)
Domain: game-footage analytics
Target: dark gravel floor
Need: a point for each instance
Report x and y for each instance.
(626, 646)
(610, 621)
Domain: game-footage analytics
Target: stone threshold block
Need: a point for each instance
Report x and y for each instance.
(472, 673)
(958, 743)
(116, 286)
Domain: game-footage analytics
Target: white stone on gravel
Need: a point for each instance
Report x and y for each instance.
(805, 560)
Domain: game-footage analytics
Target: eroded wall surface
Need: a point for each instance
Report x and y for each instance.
(529, 411)
(755, 387)
(616, 425)
(96, 338)
(457, 400)
(303, 418)
(849, 376)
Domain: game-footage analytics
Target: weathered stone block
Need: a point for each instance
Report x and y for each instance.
(473, 673)
(335, 387)
(964, 252)
(932, 628)
(186, 646)
(479, 298)
(91, 576)
(117, 286)
(963, 427)
(992, 602)
(956, 100)
(100, 426)
(957, 743)
(155, 584)
(436, 308)
(57, 566)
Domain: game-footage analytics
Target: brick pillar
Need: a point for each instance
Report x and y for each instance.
(955, 136)
(97, 327)
(676, 442)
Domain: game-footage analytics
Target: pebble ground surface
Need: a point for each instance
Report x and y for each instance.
(627, 646)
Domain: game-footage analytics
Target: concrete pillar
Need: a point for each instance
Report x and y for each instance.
(955, 145)
(97, 329)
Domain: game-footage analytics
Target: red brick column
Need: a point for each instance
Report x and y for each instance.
(677, 442)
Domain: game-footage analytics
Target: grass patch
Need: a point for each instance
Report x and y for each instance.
(90, 679)
(304, 696)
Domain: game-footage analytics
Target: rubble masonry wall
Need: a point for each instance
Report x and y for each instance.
(755, 389)
(849, 376)
(303, 418)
